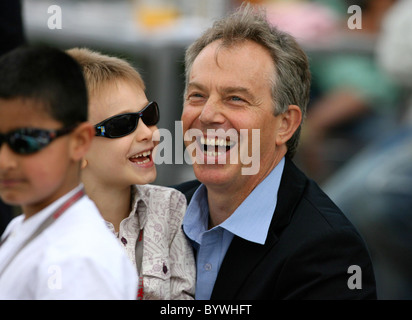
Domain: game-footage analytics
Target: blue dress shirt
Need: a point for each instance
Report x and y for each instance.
(250, 221)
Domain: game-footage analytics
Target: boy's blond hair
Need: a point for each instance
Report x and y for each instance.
(100, 69)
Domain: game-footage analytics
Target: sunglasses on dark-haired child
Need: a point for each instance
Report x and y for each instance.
(30, 140)
(123, 124)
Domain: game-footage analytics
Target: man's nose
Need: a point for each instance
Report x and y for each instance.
(212, 113)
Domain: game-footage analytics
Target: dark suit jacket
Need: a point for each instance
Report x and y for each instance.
(308, 251)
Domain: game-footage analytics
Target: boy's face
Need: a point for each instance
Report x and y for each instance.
(35, 180)
(113, 162)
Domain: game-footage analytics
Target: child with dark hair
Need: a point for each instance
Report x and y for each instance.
(60, 247)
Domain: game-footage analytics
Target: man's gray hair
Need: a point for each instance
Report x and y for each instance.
(291, 83)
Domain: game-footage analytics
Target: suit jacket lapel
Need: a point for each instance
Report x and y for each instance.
(292, 186)
(241, 258)
(242, 255)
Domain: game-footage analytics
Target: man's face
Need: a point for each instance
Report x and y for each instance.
(229, 88)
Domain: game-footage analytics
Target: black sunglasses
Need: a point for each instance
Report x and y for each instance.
(123, 124)
(30, 140)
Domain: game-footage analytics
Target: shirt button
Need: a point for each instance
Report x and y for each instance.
(208, 266)
(123, 240)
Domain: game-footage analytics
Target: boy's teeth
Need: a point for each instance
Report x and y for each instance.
(143, 154)
(142, 162)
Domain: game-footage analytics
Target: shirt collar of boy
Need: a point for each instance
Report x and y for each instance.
(25, 228)
(139, 204)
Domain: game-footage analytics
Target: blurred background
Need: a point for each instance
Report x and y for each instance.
(357, 133)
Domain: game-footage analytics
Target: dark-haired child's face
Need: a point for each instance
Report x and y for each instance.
(35, 180)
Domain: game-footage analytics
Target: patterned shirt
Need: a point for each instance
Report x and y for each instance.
(167, 262)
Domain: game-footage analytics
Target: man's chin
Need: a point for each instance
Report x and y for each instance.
(213, 174)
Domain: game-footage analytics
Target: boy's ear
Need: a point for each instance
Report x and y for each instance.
(84, 163)
(81, 141)
(291, 121)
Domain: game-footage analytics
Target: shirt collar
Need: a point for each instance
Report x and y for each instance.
(31, 224)
(137, 195)
(139, 204)
(138, 212)
(44, 213)
(196, 219)
(250, 221)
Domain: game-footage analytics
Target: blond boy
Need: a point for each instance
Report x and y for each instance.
(146, 219)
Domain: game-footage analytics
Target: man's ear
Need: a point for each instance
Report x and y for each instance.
(81, 140)
(290, 122)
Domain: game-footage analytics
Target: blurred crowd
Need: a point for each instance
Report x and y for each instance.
(357, 137)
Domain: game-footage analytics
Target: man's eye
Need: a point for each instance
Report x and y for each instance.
(236, 98)
(194, 96)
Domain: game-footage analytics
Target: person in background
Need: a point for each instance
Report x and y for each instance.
(6, 214)
(375, 188)
(60, 247)
(11, 25)
(353, 99)
(273, 233)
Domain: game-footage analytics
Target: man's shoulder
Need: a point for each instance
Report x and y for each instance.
(303, 204)
(317, 201)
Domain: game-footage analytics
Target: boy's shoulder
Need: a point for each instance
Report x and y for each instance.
(83, 226)
(81, 233)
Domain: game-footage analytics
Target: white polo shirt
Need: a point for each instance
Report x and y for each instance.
(76, 257)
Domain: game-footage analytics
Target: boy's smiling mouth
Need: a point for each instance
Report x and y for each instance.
(142, 158)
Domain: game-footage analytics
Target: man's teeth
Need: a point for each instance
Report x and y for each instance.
(215, 142)
(218, 145)
(213, 153)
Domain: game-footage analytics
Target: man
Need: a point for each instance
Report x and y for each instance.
(272, 234)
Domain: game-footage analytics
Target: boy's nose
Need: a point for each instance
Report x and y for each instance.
(143, 132)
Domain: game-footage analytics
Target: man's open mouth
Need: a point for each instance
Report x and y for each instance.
(215, 146)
